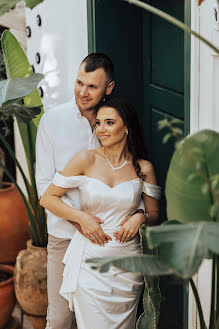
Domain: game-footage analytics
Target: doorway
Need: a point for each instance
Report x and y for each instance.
(150, 59)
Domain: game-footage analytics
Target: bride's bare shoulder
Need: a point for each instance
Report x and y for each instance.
(79, 163)
(148, 170)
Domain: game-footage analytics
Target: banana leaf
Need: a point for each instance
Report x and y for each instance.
(12, 90)
(192, 188)
(21, 112)
(182, 247)
(18, 66)
(32, 3)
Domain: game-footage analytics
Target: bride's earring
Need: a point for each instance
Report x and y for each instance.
(127, 132)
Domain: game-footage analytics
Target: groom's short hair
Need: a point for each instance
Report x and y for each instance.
(96, 61)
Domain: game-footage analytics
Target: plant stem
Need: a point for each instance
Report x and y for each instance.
(172, 20)
(212, 313)
(217, 290)
(198, 304)
(31, 167)
(11, 152)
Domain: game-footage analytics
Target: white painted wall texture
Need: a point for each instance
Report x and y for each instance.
(204, 114)
(204, 68)
(62, 43)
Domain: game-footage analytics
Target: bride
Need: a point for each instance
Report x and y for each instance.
(112, 180)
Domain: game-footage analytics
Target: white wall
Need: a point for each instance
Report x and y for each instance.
(204, 115)
(62, 43)
(204, 68)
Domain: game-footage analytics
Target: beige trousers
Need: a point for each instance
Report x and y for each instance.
(58, 314)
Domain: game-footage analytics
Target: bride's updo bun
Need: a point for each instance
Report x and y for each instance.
(135, 141)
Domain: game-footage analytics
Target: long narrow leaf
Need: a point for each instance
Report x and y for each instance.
(11, 152)
(144, 264)
(172, 20)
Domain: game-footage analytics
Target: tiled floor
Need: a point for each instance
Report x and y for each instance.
(26, 323)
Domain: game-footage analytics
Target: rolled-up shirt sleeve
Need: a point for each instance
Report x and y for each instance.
(45, 163)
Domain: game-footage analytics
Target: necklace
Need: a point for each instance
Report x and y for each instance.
(110, 163)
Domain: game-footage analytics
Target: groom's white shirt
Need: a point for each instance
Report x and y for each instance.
(62, 132)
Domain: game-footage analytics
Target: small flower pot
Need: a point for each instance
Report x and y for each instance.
(7, 295)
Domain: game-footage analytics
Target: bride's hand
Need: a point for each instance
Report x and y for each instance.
(130, 227)
(92, 230)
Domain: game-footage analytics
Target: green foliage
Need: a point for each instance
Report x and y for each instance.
(192, 187)
(17, 66)
(5, 5)
(17, 88)
(182, 247)
(32, 3)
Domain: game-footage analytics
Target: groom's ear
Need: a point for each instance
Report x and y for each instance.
(110, 87)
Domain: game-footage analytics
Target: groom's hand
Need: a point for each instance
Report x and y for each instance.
(130, 226)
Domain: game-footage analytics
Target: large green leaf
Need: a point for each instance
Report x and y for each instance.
(17, 66)
(190, 188)
(17, 88)
(145, 264)
(32, 3)
(182, 247)
(21, 112)
(152, 295)
(5, 5)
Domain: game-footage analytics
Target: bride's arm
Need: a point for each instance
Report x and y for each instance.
(51, 200)
(130, 227)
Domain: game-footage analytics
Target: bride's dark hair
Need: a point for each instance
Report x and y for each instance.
(135, 141)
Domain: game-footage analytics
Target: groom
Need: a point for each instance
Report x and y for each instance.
(64, 131)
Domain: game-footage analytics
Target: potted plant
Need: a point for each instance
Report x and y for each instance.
(33, 260)
(30, 269)
(14, 216)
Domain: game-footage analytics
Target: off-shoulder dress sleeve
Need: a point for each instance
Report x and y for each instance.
(151, 190)
(68, 182)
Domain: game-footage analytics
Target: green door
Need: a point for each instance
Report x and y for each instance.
(148, 54)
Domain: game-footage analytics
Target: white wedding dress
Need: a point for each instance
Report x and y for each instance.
(103, 300)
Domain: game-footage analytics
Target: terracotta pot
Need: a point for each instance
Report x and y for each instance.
(13, 222)
(31, 284)
(7, 296)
